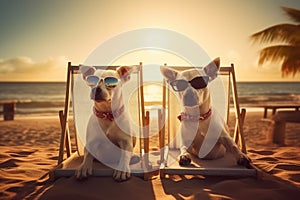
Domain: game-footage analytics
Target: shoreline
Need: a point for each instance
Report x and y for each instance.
(249, 109)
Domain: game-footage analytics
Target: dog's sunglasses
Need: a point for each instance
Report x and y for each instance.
(197, 83)
(110, 82)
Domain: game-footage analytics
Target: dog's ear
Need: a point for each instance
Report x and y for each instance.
(212, 69)
(86, 71)
(124, 72)
(168, 73)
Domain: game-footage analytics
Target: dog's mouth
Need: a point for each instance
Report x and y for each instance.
(100, 98)
(103, 100)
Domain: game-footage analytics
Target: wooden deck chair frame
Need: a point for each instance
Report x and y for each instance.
(238, 136)
(65, 167)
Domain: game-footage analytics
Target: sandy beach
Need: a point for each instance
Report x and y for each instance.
(29, 149)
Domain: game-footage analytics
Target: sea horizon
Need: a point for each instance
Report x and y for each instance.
(238, 81)
(49, 97)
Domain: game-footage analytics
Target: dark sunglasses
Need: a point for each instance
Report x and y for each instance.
(110, 82)
(197, 83)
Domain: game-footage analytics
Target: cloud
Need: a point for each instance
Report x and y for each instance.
(26, 69)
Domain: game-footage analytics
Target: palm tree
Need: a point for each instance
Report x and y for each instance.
(289, 51)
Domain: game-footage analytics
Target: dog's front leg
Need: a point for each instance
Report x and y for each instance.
(231, 146)
(185, 142)
(122, 173)
(86, 167)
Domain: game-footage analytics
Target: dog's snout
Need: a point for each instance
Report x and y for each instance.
(95, 91)
(190, 98)
(98, 93)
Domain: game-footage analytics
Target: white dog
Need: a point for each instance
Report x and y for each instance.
(108, 132)
(199, 117)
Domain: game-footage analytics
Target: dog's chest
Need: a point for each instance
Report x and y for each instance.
(110, 129)
(105, 124)
(196, 128)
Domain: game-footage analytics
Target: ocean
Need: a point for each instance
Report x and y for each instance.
(34, 97)
(48, 98)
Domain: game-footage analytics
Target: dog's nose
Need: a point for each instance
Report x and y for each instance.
(98, 94)
(190, 98)
(95, 91)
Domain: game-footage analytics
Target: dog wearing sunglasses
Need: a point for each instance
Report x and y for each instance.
(203, 133)
(108, 128)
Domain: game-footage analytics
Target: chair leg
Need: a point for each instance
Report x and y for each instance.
(67, 142)
(149, 173)
(279, 132)
(237, 138)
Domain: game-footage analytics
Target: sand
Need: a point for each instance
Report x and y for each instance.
(29, 149)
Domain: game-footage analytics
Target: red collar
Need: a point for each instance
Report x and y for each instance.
(109, 115)
(186, 117)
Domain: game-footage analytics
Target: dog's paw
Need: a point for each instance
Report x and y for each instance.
(185, 159)
(83, 171)
(120, 176)
(244, 160)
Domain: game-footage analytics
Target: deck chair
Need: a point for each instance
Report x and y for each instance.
(70, 157)
(225, 166)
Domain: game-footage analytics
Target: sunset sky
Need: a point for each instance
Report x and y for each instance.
(38, 38)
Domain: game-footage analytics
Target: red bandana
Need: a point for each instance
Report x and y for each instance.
(186, 117)
(109, 115)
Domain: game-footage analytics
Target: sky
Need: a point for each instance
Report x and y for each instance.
(39, 37)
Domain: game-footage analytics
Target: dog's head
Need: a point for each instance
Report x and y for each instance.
(105, 83)
(192, 84)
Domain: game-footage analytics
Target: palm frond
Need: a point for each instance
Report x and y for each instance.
(290, 55)
(293, 13)
(278, 53)
(289, 33)
(290, 66)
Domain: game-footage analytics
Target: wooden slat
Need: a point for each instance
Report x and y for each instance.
(237, 111)
(236, 137)
(161, 133)
(142, 117)
(68, 140)
(66, 115)
(75, 68)
(96, 172)
(222, 71)
(232, 172)
(8, 102)
(275, 107)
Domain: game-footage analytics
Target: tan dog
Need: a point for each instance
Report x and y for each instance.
(108, 131)
(203, 132)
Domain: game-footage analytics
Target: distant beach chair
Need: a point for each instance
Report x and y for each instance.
(68, 160)
(9, 109)
(225, 166)
(277, 106)
(278, 122)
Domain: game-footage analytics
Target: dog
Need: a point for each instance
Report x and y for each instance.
(211, 137)
(108, 131)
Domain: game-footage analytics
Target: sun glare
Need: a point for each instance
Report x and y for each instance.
(151, 59)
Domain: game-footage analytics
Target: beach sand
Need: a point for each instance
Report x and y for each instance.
(29, 149)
